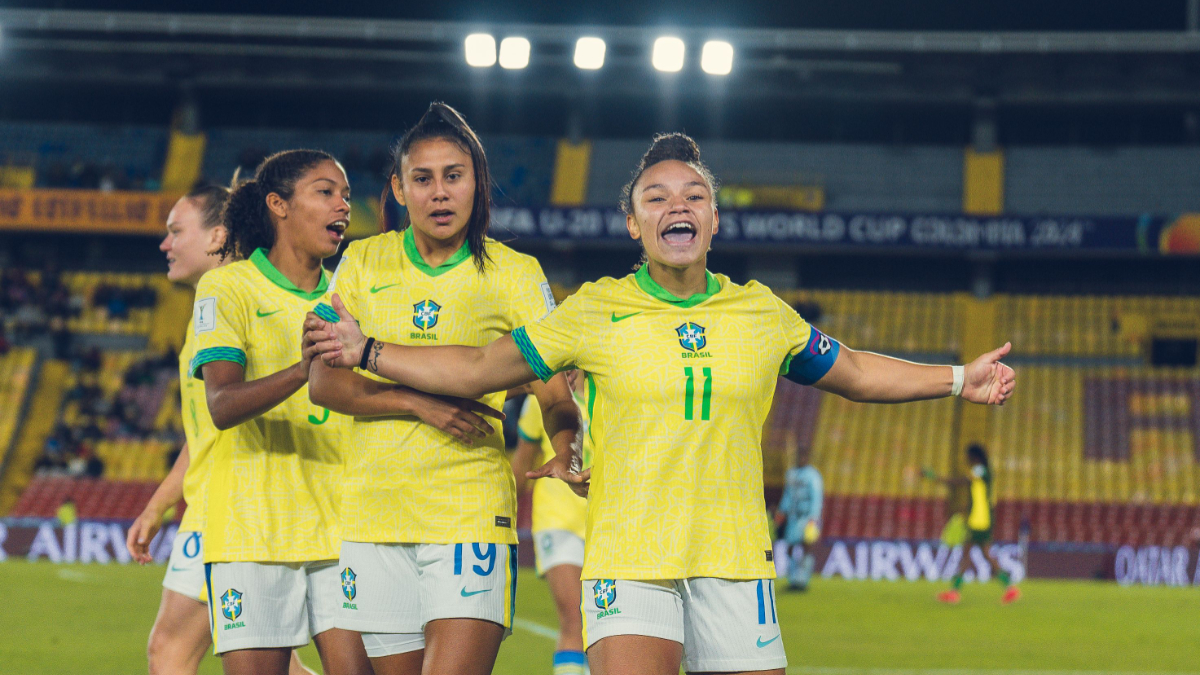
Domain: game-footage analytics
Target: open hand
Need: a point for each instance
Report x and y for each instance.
(560, 467)
(986, 380)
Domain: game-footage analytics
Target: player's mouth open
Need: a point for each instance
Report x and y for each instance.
(442, 216)
(679, 233)
(337, 229)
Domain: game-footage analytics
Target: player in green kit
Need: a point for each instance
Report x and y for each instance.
(681, 370)
(979, 521)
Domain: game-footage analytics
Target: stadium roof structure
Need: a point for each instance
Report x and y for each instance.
(424, 59)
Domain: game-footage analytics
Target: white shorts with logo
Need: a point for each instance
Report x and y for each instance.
(390, 591)
(723, 624)
(552, 548)
(265, 605)
(185, 569)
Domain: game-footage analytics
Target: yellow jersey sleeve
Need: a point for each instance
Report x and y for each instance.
(529, 295)
(200, 433)
(553, 343)
(219, 322)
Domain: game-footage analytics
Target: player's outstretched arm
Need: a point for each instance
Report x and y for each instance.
(467, 372)
(349, 393)
(873, 378)
(168, 494)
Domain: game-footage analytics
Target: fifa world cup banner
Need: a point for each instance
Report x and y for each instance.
(1147, 234)
(85, 211)
(85, 541)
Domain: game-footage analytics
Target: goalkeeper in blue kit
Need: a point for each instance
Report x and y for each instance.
(800, 514)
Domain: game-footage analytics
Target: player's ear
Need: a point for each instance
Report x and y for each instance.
(716, 220)
(216, 239)
(396, 191)
(631, 224)
(277, 205)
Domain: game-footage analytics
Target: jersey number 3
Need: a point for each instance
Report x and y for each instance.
(689, 394)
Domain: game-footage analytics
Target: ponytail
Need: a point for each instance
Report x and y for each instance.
(246, 215)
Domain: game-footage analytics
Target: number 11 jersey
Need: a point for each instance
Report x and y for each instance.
(678, 391)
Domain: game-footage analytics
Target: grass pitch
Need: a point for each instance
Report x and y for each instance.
(94, 619)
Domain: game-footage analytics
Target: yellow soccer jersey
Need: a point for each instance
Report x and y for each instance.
(200, 433)
(555, 506)
(275, 480)
(407, 481)
(678, 391)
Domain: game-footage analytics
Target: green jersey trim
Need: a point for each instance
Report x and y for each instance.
(259, 258)
(215, 354)
(326, 312)
(532, 357)
(787, 365)
(654, 290)
(414, 256)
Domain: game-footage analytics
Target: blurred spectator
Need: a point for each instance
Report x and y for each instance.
(91, 415)
(35, 305)
(88, 175)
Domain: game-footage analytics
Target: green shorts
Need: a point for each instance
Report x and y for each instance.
(980, 537)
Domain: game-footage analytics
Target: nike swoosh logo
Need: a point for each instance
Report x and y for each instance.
(262, 314)
(762, 644)
(376, 289)
(466, 594)
(616, 318)
(178, 569)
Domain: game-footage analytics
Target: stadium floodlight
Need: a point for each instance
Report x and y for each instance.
(589, 53)
(481, 50)
(514, 53)
(717, 57)
(668, 54)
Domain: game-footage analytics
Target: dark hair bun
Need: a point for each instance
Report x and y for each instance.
(673, 146)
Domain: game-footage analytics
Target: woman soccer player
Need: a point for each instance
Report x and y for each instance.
(271, 536)
(181, 633)
(683, 365)
(428, 550)
(558, 525)
(979, 524)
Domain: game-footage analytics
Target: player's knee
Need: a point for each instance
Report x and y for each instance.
(159, 654)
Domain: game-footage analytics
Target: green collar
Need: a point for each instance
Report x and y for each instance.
(259, 258)
(414, 256)
(651, 287)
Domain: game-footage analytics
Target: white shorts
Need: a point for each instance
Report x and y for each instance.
(185, 569)
(723, 625)
(552, 548)
(398, 588)
(265, 605)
